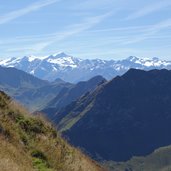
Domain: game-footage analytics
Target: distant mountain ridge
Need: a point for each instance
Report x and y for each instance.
(36, 94)
(71, 69)
(70, 94)
(29, 90)
(14, 78)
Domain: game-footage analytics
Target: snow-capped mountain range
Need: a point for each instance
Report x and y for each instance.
(73, 69)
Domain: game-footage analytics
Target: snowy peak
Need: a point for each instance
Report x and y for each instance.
(59, 55)
(71, 69)
(62, 60)
(147, 62)
(132, 58)
(9, 62)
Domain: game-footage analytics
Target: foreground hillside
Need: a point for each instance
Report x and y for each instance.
(29, 143)
(125, 117)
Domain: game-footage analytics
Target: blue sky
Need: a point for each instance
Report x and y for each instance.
(108, 29)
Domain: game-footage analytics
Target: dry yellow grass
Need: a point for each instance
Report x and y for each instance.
(30, 143)
(12, 158)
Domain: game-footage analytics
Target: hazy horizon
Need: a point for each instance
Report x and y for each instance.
(70, 55)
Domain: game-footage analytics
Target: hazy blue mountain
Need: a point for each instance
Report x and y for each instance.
(37, 98)
(32, 92)
(36, 94)
(73, 69)
(13, 78)
(69, 94)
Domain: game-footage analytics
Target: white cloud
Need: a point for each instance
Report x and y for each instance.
(140, 34)
(76, 29)
(157, 6)
(38, 43)
(94, 4)
(154, 29)
(29, 48)
(20, 12)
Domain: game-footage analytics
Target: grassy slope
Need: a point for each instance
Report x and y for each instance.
(29, 143)
(159, 160)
